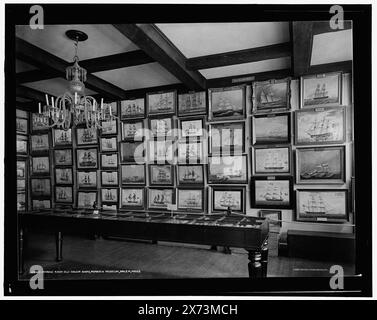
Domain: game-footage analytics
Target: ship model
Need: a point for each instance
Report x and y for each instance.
(315, 205)
(273, 162)
(133, 198)
(273, 193)
(321, 130)
(267, 96)
(321, 93)
(228, 201)
(190, 175)
(320, 171)
(87, 160)
(88, 136)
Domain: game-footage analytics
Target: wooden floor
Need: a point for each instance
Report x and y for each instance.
(113, 259)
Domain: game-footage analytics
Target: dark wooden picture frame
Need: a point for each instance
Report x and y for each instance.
(61, 159)
(65, 177)
(224, 131)
(189, 177)
(126, 192)
(88, 155)
(136, 179)
(40, 166)
(192, 103)
(87, 179)
(107, 195)
(191, 204)
(43, 191)
(132, 109)
(137, 133)
(61, 191)
(160, 197)
(226, 193)
(163, 171)
(272, 160)
(91, 139)
(235, 176)
(62, 138)
(159, 100)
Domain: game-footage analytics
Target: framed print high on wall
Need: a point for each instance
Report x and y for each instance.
(87, 199)
(109, 144)
(132, 152)
(160, 198)
(226, 138)
(320, 125)
(40, 166)
(272, 192)
(40, 143)
(109, 195)
(190, 152)
(63, 176)
(133, 130)
(161, 127)
(190, 174)
(132, 198)
(87, 179)
(272, 160)
(272, 95)
(191, 128)
(321, 89)
(161, 174)
(324, 165)
(227, 103)
(192, 103)
(87, 158)
(21, 144)
(190, 199)
(40, 187)
(39, 122)
(271, 128)
(86, 136)
(161, 103)
(133, 174)
(322, 205)
(109, 161)
(62, 137)
(109, 178)
(228, 197)
(132, 109)
(227, 169)
(63, 194)
(22, 126)
(63, 157)
(109, 128)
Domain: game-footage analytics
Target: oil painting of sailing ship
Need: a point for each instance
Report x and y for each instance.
(41, 204)
(271, 160)
(132, 109)
(270, 95)
(190, 152)
(274, 193)
(109, 161)
(159, 198)
(87, 179)
(40, 165)
(161, 102)
(228, 169)
(320, 165)
(324, 125)
(132, 131)
(109, 127)
(62, 137)
(109, 195)
(63, 157)
(161, 151)
(161, 174)
(192, 103)
(109, 178)
(271, 129)
(190, 199)
(190, 174)
(63, 194)
(227, 103)
(39, 143)
(132, 151)
(86, 200)
(86, 158)
(86, 136)
(191, 128)
(133, 174)
(323, 90)
(132, 198)
(63, 176)
(224, 199)
(161, 127)
(322, 204)
(109, 144)
(22, 126)
(41, 187)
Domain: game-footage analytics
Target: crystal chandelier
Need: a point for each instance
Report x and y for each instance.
(73, 106)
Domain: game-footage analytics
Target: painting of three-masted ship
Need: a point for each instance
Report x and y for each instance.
(190, 174)
(274, 160)
(192, 103)
(109, 178)
(63, 194)
(86, 199)
(63, 176)
(62, 137)
(63, 157)
(161, 174)
(161, 103)
(271, 193)
(40, 165)
(160, 198)
(131, 109)
(132, 131)
(41, 187)
(87, 179)
(86, 136)
(223, 200)
(191, 128)
(271, 95)
(22, 125)
(39, 143)
(190, 152)
(109, 195)
(320, 126)
(229, 169)
(132, 198)
(191, 199)
(269, 129)
(227, 103)
(133, 174)
(86, 158)
(161, 127)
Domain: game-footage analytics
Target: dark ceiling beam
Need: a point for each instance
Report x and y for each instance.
(324, 27)
(241, 56)
(302, 38)
(247, 78)
(153, 42)
(344, 66)
(36, 75)
(29, 93)
(50, 63)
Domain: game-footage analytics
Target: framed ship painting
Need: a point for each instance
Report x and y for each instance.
(161, 127)
(227, 138)
(272, 192)
(224, 198)
(21, 184)
(87, 199)
(109, 161)
(132, 198)
(87, 179)
(40, 143)
(161, 174)
(132, 152)
(40, 165)
(21, 169)
(109, 128)
(272, 160)
(87, 158)
(161, 103)
(190, 199)
(63, 194)
(62, 137)
(109, 195)
(109, 178)
(132, 109)
(21, 201)
(227, 169)
(322, 205)
(161, 151)
(21, 144)
(63, 176)
(86, 136)
(22, 126)
(321, 89)
(190, 152)
(63, 157)
(320, 165)
(133, 131)
(271, 128)
(227, 103)
(40, 204)
(39, 122)
(160, 198)
(40, 187)
(192, 103)
(109, 144)
(133, 174)
(320, 125)
(271, 96)
(190, 174)
(191, 128)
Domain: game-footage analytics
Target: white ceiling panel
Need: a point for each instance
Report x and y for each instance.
(55, 86)
(246, 68)
(332, 47)
(102, 40)
(23, 66)
(142, 76)
(200, 39)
